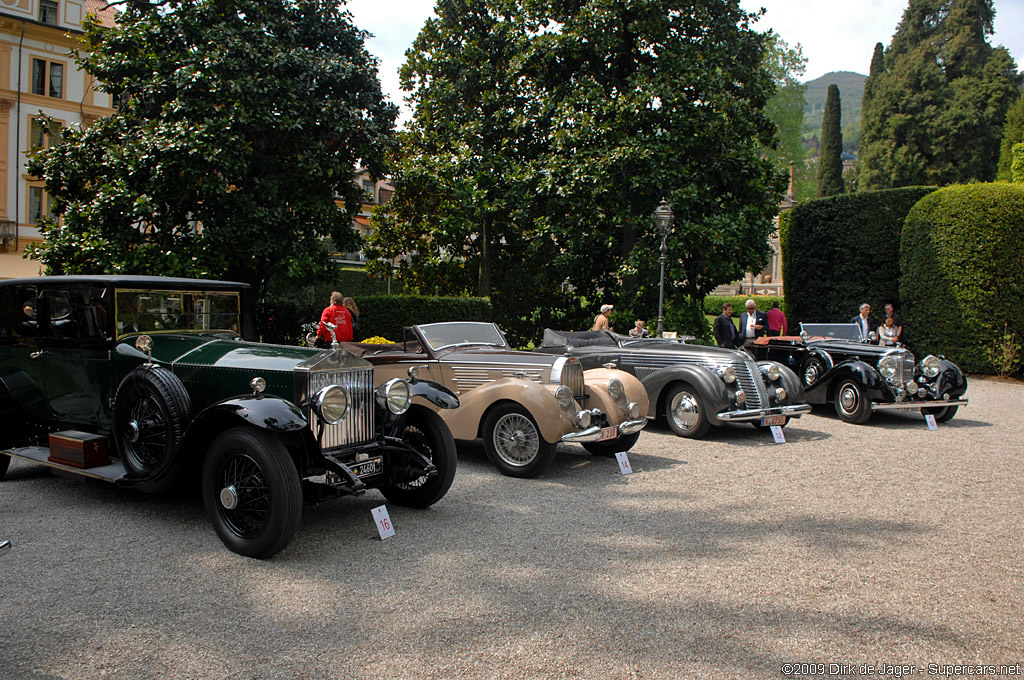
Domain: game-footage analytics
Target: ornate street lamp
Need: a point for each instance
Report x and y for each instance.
(663, 218)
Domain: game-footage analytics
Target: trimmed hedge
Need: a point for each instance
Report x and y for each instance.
(962, 257)
(282, 320)
(713, 303)
(841, 251)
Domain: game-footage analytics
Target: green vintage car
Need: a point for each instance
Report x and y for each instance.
(145, 381)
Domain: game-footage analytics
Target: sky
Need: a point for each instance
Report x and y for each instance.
(835, 35)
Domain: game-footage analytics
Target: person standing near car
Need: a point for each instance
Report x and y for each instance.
(753, 323)
(897, 321)
(337, 314)
(776, 320)
(865, 322)
(353, 309)
(601, 321)
(724, 329)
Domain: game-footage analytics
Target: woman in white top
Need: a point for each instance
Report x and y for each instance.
(888, 332)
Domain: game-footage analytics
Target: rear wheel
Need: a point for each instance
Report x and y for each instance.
(427, 433)
(252, 492)
(813, 370)
(610, 448)
(684, 412)
(514, 444)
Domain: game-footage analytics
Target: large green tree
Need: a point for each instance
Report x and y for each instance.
(589, 113)
(237, 124)
(934, 115)
(830, 159)
(786, 109)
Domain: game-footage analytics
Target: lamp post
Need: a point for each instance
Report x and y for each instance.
(663, 218)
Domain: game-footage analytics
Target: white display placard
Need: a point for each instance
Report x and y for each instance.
(780, 436)
(383, 520)
(930, 419)
(624, 466)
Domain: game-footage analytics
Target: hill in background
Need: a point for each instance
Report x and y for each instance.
(851, 91)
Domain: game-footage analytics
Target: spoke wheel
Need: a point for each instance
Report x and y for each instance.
(427, 433)
(684, 412)
(514, 444)
(252, 492)
(151, 411)
(851, 404)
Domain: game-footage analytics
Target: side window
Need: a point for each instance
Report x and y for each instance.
(78, 316)
(18, 314)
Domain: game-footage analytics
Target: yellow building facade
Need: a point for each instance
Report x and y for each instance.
(38, 77)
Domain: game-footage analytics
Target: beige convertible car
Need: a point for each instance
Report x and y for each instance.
(522, 404)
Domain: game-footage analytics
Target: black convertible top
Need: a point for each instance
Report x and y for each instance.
(553, 338)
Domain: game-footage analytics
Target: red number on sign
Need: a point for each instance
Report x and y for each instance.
(385, 524)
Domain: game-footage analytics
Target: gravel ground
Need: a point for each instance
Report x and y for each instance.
(725, 558)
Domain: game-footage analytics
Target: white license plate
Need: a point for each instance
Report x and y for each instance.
(768, 421)
(368, 467)
(608, 433)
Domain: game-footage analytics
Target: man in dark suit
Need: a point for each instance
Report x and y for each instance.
(865, 322)
(753, 323)
(724, 329)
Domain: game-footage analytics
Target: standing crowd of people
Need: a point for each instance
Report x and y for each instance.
(343, 314)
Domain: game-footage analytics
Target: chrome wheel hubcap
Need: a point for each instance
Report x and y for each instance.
(229, 497)
(685, 411)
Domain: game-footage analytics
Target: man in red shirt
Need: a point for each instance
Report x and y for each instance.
(337, 315)
(776, 320)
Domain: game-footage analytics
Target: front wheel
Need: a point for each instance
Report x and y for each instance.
(610, 448)
(941, 413)
(851, 404)
(514, 444)
(684, 412)
(252, 492)
(427, 433)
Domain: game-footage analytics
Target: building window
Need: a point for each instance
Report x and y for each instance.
(38, 139)
(47, 78)
(39, 204)
(48, 12)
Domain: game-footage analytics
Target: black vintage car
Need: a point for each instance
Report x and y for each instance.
(859, 377)
(693, 386)
(144, 381)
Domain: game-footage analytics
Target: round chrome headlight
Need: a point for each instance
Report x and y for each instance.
(728, 375)
(563, 395)
(887, 366)
(930, 366)
(633, 409)
(395, 395)
(780, 394)
(615, 389)
(583, 418)
(331, 404)
(772, 372)
(741, 396)
(911, 387)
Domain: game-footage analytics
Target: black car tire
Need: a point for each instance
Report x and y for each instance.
(5, 461)
(610, 448)
(252, 492)
(427, 433)
(514, 444)
(814, 366)
(151, 411)
(851, 404)
(941, 413)
(682, 396)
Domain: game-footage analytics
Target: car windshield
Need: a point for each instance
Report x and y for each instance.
(443, 335)
(161, 311)
(839, 331)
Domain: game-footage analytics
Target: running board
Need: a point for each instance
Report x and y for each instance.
(114, 472)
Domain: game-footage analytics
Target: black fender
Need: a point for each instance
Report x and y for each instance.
(951, 379)
(865, 374)
(434, 392)
(23, 407)
(711, 388)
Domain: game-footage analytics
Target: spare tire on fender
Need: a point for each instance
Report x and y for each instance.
(152, 409)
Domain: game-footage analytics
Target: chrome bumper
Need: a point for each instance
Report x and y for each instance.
(593, 433)
(906, 405)
(4, 546)
(794, 411)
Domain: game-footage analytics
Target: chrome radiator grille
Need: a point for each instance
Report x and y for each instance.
(905, 370)
(572, 377)
(749, 378)
(357, 425)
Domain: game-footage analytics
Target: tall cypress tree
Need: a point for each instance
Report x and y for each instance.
(934, 114)
(830, 160)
